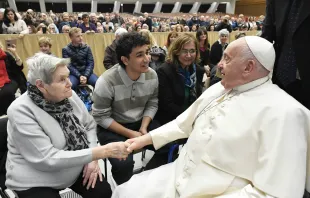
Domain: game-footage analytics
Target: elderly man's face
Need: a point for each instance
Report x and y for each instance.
(231, 67)
(65, 17)
(60, 88)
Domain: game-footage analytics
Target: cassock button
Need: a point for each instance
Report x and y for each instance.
(223, 105)
(178, 184)
(212, 118)
(204, 132)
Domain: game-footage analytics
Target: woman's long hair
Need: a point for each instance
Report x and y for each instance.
(199, 33)
(6, 20)
(173, 33)
(177, 46)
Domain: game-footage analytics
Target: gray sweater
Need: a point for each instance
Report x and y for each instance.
(117, 97)
(37, 147)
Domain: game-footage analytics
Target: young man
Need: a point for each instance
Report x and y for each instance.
(82, 61)
(125, 99)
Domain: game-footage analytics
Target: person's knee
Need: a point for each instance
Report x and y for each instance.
(122, 166)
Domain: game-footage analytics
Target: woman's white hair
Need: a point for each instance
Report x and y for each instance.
(223, 32)
(42, 67)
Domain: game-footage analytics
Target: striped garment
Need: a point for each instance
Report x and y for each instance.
(117, 97)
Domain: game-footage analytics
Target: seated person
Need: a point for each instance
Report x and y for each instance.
(216, 54)
(125, 99)
(110, 56)
(158, 56)
(45, 45)
(246, 136)
(52, 138)
(82, 61)
(177, 79)
(11, 77)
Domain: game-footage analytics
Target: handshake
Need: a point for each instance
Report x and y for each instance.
(121, 150)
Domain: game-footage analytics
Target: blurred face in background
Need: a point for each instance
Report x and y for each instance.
(1, 16)
(65, 17)
(46, 49)
(10, 16)
(76, 38)
(224, 38)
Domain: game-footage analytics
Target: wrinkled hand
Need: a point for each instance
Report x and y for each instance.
(117, 150)
(143, 131)
(83, 80)
(91, 172)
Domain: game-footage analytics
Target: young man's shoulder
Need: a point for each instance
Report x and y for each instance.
(150, 74)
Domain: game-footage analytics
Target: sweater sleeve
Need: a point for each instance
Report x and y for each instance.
(152, 104)
(102, 106)
(36, 147)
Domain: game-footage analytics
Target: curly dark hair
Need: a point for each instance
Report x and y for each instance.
(6, 20)
(127, 42)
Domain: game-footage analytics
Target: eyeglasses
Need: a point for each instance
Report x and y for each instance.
(185, 52)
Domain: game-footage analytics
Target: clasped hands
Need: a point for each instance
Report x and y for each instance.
(119, 150)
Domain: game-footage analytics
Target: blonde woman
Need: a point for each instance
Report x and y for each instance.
(148, 34)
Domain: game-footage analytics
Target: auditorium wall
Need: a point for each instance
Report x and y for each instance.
(251, 7)
(28, 46)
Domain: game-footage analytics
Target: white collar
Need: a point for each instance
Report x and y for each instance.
(251, 85)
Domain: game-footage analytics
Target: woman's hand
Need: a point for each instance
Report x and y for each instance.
(117, 150)
(91, 172)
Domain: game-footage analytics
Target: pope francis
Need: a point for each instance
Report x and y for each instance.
(246, 137)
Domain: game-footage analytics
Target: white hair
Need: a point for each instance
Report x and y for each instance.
(223, 32)
(42, 66)
(120, 31)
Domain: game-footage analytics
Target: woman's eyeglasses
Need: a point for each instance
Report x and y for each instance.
(185, 52)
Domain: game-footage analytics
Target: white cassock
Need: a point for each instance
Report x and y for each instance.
(247, 142)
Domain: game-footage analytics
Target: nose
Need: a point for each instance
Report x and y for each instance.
(220, 64)
(69, 83)
(147, 58)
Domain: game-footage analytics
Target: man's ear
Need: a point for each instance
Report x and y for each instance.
(249, 66)
(124, 60)
(40, 86)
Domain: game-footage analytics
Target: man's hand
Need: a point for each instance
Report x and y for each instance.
(83, 80)
(139, 142)
(90, 173)
(143, 130)
(134, 134)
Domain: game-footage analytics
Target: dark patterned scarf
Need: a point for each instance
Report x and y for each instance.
(62, 112)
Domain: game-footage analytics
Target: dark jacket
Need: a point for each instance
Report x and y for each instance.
(71, 24)
(1, 29)
(222, 25)
(84, 28)
(171, 93)
(148, 21)
(15, 72)
(118, 20)
(110, 56)
(273, 30)
(216, 53)
(82, 61)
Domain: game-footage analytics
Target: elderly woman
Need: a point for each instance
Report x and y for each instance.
(218, 47)
(52, 138)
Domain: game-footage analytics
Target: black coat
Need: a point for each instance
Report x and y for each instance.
(15, 72)
(216, 53)
(171, 93)
(273, 30)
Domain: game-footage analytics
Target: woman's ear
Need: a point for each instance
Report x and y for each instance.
(40, 85)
